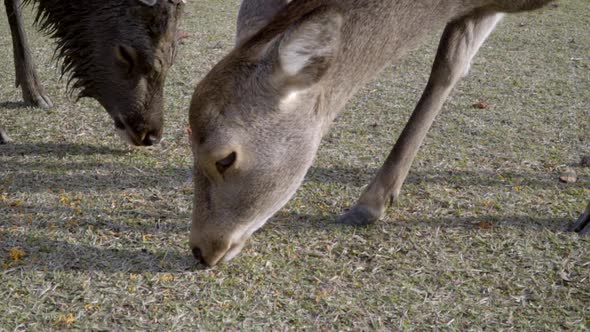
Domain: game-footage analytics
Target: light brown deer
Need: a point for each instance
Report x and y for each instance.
(258, 117)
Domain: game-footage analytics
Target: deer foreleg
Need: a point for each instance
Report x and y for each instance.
(459, 43)
(26, 75)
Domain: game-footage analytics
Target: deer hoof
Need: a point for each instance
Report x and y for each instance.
(44, 102)
(37, 98)
(40, 100)
(357, 216)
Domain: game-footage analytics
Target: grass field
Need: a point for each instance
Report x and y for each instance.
(94, 234)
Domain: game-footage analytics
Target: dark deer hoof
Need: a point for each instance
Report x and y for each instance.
(582, 226)
(4, 138)
(357, 216)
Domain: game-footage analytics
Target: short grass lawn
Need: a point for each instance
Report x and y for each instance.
(94, 234)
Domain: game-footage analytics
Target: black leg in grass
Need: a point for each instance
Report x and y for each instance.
(582, 226)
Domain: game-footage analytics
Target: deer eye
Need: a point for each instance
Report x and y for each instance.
(225, 163)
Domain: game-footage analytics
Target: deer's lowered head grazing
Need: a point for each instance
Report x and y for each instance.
(258, 116)
(115, 51)
(256, 128)
(131, 61)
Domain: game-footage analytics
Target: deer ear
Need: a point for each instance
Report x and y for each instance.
(255, 15)
(308, 49)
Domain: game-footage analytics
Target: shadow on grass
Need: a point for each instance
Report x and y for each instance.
(39, 176)
(60, 149)
(359, 177)
(38, 167)
(162, 217)
(119, 237)
(124, 178)
(51, 255)
(45, 254)
(491, 222)
(10, 105)
(33, 175)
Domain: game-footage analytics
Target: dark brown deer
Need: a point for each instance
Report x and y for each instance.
(115, 51)
(257, 118)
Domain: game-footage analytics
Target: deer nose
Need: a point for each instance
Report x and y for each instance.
(140, 136)
(198, 254)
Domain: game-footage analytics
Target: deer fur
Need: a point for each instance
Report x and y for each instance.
(258, 116)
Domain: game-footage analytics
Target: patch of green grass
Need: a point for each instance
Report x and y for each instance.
(93, 234)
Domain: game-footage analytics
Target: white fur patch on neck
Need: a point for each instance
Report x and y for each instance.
(289, 100)
(294, 58)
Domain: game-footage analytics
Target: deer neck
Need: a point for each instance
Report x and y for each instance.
(376, 34)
